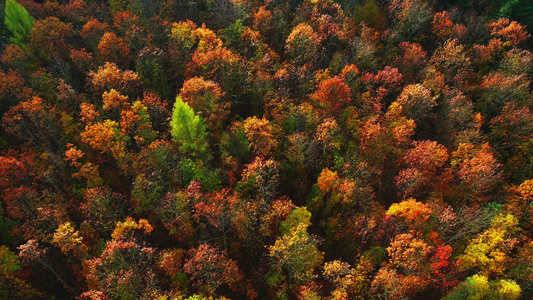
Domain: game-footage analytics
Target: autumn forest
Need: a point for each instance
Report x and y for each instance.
(266, 149)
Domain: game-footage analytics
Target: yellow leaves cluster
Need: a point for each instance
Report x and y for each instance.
(349, 282)
(66, 237)
(129, 225)
(489, 251)
(479, 287)
(208, 40)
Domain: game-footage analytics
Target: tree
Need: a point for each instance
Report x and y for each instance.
(13, 89)
(403, 276)
(49, 39)
(109, 76)
(411, 18)
(92, 32)
(333, 95)
(478, 169)
(206, 98)
(451, 60)
(479, 287)
(182, 43)
(294, 256)
(489, 252)
(19, 22)
(114, 49)
(510, 31)
(423, 161)
(188, 130)
(303, 45)
(498, 89)
(442, 25)
(413, 212)
(260, 133)
(126, 269)
(11, 285)
(106, 137)
(210, 268)
(102, 208)
(151, 64)
(219, 209)
(263, 175)
(416, 103)
(34, 121)
(350, 283)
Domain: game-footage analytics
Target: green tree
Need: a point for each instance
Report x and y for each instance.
(188, 130)
(18, 21)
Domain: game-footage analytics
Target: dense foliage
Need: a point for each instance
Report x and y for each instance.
(233, 149)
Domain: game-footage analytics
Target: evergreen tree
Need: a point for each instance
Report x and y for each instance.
(188, 129)
(18, 21)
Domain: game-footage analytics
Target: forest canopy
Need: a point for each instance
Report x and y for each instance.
(266, 149)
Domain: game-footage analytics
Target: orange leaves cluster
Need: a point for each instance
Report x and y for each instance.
(424, 161)
(211, 268)
(442, 25)
(201, 94)
(404, 276)
(88, 113)
(207, 39)
(333, 94)
(327, 180)
(114, 100)
(261, 135)
(409, 252)
(218, 209)
(104, 136)
(49, 38)
(326, 132)
(414, 212)
(113, 49)
(13, 88)
(73, 155)
(512, 32)
(135, 121)
(264, 175)
(12, 55)
(426, 156)
(204, 97)
(128, 225)
(32, 120)
(109, 76)
(478, 169)
(92, 31)
(452, 61)
(520, 203)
